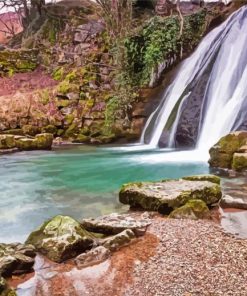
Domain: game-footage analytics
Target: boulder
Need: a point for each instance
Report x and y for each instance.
(16, 258)
(61, 238)
(210, 178)
(221, 154)
(193, 209)
(92, 257)
(239, 161)
(119, 240)
(116, 223)
(44, 141)
(166, 195)
(39, 142)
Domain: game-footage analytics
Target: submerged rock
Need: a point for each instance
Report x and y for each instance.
(61, 238)
(193, 209)
(222, 153)
(167, 195)
(92, 257)
(119, 240)
(116, 223)
(16, 258)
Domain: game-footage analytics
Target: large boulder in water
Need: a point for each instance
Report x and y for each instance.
(16, 258)
(221, 154)
(61, 238)
(164, 196)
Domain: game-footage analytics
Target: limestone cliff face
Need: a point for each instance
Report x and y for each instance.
(70, 90)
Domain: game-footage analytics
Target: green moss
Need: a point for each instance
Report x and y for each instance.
(58, 73)
(239, 161)
(193, 209)
(210, 178)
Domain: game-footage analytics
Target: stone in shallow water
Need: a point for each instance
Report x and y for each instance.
(92, 257)
(119, 240)
(116, 223)
(228, 201)
(61, 238)
(193, 209)
(16, 259)
(167, 195)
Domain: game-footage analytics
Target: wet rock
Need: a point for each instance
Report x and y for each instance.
(228, 201)
(16, 258)
(40, 142)
(166, 195)
(92, 257)
(210, 178)
(116, 223)
(119, 240)
(193, 209)
(221, 154)
(61, 238)
(239, 161)
(7, 142)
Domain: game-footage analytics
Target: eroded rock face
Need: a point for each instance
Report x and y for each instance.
(116, 223)
(61, 238)
(222, 153)
(193, 209)
(16, 258)
(167, 195)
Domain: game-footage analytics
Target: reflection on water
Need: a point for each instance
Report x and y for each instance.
(81, 182)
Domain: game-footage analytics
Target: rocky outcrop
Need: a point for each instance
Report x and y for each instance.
(193, 209)
(230, 151)
(61, 238)
(16, 259)
(116, 223)
(13, 143)
(166, 195)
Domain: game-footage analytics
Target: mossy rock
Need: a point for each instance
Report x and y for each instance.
(71, 131)
(210, 178)
(221, 154)
(44, 141)
(61, 238)
(51, 129)
(40, 142)
(167, 195)
(30, 130)
(193, 209)
(239, 161)
(81, 139)
(7, 142)
(15, 131)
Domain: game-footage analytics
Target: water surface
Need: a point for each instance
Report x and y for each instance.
(81, 181)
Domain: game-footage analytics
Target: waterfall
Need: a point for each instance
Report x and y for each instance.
(222, 55)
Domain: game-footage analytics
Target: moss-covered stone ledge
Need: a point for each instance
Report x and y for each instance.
(18, 61)
(164, 196)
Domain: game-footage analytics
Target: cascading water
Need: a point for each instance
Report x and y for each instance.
(222, 55)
